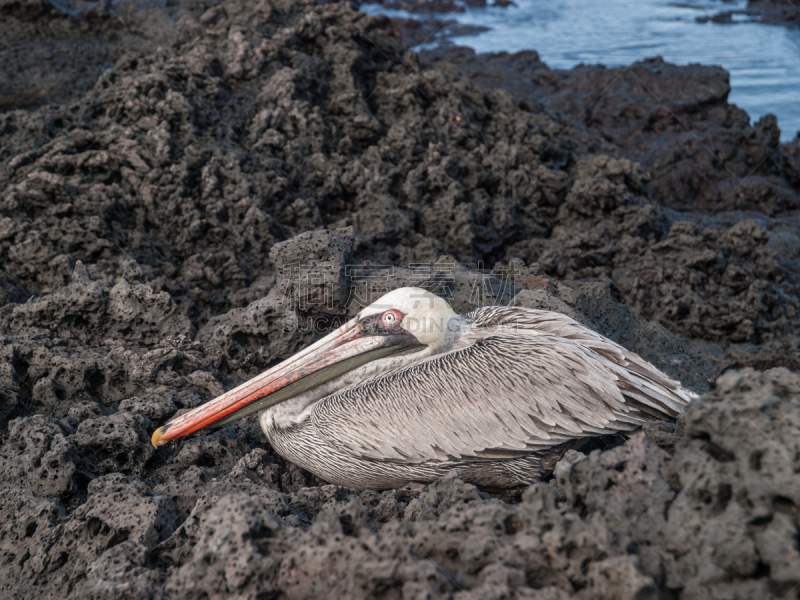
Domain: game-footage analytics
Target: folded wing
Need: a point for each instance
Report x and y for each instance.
(518, 382)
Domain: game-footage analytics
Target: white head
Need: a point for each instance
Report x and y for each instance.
(405, 321)
(422, 314)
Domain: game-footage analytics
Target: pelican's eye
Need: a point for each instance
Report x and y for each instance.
(391, 318)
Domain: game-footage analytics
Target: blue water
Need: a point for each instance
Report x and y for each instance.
(763, 60)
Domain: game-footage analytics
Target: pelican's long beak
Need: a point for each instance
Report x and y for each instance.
(341, 351)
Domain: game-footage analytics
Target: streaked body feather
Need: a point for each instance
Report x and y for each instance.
(512, 391)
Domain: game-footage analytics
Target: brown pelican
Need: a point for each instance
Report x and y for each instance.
(409, 390)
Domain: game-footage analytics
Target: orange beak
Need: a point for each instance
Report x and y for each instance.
(343, 350)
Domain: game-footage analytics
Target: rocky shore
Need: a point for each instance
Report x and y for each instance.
(775, 11)
(769, 12)
(172, 178)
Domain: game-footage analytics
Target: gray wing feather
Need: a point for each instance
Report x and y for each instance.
(519, 381)
(653, 383)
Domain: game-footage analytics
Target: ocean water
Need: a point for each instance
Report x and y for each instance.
(763, 60)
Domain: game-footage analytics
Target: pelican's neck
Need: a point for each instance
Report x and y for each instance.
(297, 409)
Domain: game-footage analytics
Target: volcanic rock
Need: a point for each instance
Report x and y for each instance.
(223, 183)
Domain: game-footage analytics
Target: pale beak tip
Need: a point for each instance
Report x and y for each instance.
(157, 435)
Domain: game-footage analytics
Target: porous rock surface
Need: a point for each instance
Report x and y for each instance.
(226, 193)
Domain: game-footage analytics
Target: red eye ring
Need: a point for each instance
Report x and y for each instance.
(391, 318)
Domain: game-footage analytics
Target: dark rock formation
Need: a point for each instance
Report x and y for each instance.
(774, 11)
(243, 181)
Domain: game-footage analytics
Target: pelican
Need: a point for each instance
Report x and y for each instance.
(409, 390)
